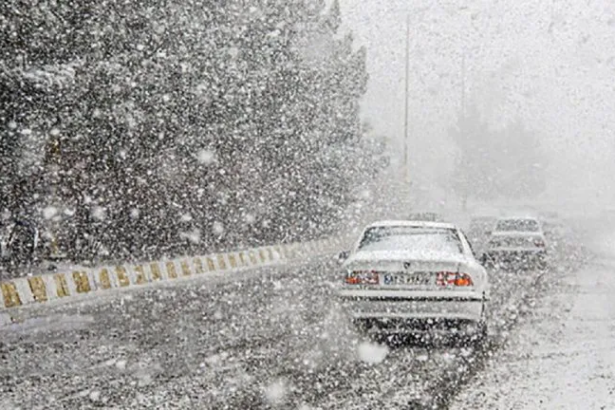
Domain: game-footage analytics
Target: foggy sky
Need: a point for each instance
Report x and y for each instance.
(550, 62)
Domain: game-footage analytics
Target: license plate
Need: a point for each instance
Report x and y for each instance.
(409, 279)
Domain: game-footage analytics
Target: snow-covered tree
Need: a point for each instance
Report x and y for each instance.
(168, 126)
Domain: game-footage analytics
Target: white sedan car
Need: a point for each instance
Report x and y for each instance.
(415, 278)
(517, 242)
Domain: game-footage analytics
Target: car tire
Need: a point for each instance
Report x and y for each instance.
(480, 338)
(487, 261)
(542, 264)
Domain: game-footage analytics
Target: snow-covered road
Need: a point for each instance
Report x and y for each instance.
(563, 355)
(273, 339)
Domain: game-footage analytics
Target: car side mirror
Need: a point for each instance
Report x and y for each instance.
(343, 256)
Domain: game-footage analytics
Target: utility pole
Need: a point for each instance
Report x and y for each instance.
(406, 98)
(463, 84)
(463, 119)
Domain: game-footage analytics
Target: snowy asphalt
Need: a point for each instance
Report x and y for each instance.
(561, 357)
(272, 340)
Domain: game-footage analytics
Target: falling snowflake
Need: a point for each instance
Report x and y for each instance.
(193, 236)
(98, 213)
(372, 353)
(275, 393)
(49, 212)
(121, 365)
(95, 396)
(218, 228)
(365, 194)
(206, 157)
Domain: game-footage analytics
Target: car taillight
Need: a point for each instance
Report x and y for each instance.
(463, 280)
(362, 278)
(453, 279)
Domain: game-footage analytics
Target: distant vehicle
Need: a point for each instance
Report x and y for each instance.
(415, 278)
(518, 243)
(424, 216)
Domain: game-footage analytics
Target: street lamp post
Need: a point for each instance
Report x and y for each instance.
(406, 102)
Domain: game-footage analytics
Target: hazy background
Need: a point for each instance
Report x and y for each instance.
(549, 62)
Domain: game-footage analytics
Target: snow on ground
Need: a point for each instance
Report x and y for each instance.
(271, 340)
(563, 356)
(55, 323)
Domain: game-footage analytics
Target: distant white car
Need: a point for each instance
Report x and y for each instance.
(426, 216)
(417, 278)
(517, 242)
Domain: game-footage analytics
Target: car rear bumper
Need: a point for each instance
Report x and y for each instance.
(414, 312)
(516, 255)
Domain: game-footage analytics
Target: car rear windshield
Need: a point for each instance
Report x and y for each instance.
(514, 242)
(396, 238)
(518, 225)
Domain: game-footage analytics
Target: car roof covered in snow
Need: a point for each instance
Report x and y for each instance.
(519, 217)
(413, 224)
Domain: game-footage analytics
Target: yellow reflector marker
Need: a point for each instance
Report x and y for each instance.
(210, 264)
(11, 297)
(221, 262)
(242, 258)
(141, 279)
(38, 288)
(122, 276)
(156, 273)
(232, 261)
(82, 282)
(61, 285)
(198, 265)
(171, 270)
(253, 258)
(105, 280)
(185, 268)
